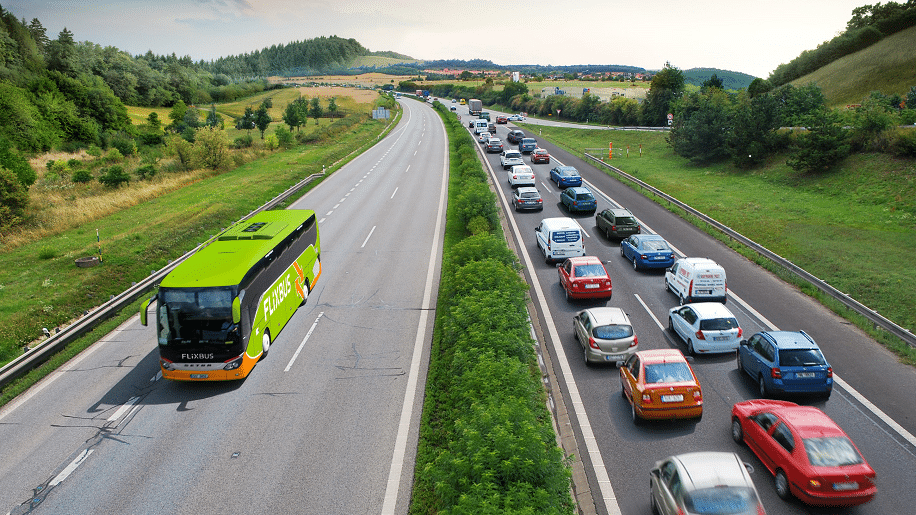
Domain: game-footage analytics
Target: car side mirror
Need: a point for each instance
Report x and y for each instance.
(689, 359)
(620, 363)
(743, 342)
(537, 228)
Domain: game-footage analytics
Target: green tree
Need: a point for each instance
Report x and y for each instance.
(758, 86)
(315, 109)
(16, 164)
(822, 145)
(753, 137)
(261, 119)
(211, 149)
(114, 177)
(701, 123)
(800, 103)
(177, 113)
(666, 87)
(246, 122)
(291, 116)
(713, 82)
(14, 198)
(332, 107)
(213, 119)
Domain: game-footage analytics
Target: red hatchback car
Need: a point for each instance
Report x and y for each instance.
(809, 455)
(584, 278)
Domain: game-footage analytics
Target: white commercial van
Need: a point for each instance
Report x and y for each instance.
(559, 238)
(696, 280)
(481, 126)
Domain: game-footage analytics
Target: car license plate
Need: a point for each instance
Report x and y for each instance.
(614, 357)
(703, 292)
(804, 375)
(199, 376)
(592, 285)
(658, 258)
(849, 485)
(719, 338)
(673, 398)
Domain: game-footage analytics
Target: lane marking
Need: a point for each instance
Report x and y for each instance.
(64, 474)
(393, 193)
(302, 345)
(369, 236)
(123, 409)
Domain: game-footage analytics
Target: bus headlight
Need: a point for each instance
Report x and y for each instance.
(166, 364)
(234, 364)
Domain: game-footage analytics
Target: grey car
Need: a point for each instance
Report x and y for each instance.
(714, 483)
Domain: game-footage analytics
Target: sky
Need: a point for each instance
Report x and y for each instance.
(752, 37)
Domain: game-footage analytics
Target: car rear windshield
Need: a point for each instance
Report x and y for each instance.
(584, 196)
(595, 270)
(801, 358)
(834, 451)
(655, 245)
(612, 332)
(721, 500)
(530, 194)
(625, 220)
(668, 373)
(718, 324)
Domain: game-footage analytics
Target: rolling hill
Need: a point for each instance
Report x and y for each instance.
(888, 66)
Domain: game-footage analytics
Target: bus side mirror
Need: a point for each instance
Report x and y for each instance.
(143, 308)
(236, 310)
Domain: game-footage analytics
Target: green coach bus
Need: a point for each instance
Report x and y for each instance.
(218, 310)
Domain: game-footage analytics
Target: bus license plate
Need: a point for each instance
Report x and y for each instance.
(199, 376)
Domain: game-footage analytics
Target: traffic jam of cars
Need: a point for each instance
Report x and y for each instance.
(809, 457)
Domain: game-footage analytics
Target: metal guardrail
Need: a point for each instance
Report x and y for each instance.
(873, 316)
(58, 341)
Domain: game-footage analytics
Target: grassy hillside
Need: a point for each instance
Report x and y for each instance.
(731, 80)
(888, 66)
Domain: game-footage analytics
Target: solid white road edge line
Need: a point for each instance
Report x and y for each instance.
(400, 444)
(588, 436)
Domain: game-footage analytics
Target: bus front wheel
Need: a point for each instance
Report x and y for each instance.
(265, 343)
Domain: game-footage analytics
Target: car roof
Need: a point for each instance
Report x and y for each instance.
(711, 310)
(711, 469)
(661, 356)
(584, 260)
(791, 339)
(578, 189)
(539, 149)
(561, 223)
(608, 315)
(526, 189)
(809, 421)
(698, 261)
(620, 211)
(566, 169)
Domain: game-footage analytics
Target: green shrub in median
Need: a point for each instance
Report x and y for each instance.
(487, 444)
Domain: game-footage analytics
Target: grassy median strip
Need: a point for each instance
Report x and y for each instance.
(487, 444)
(852, 227)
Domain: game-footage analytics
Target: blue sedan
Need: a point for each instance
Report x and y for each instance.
(647, 251)
(565, 176)
(578, 199)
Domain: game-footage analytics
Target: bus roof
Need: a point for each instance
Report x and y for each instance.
(226, 260)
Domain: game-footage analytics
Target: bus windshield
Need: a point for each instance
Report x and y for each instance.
(196, 315)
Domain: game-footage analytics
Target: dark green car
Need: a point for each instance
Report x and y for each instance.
(617, 223)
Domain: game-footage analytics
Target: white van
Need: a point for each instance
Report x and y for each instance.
(559, 238)
(696, 280)
(481, 126)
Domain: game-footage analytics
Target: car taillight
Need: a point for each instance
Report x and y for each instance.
(646, 397)
(697, 395)
(814, 483)
(635, 342)
(613, 227)
(739, 333)
(700, 336)
(775, 373)
(643, 257)
(829, 371)
(690, 289)
(592, 344)
(760, 510)
(539, 201)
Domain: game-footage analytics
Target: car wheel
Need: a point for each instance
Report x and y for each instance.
(740, 362)
(623, 392)
(690, 350)
(635, 266)
(622, 253)
(516, 207)
(607, 233)
(636, 420)
(737, 432)
(682, 300)
(671, 324)
(667, 286)
(568, 298)
(652, 501)
(762, 387)
(782, 485)
(265, 343)
(585, 355)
